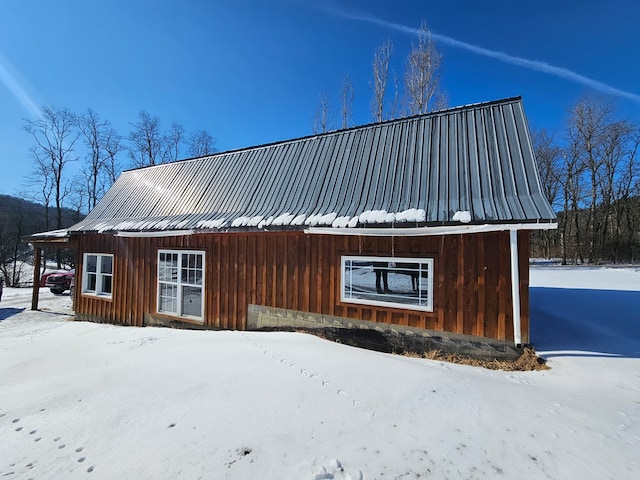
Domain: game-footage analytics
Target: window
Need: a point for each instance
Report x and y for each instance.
(97, 274)
(388, 281)
(181, 283)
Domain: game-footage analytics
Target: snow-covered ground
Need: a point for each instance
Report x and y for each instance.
(83, 400)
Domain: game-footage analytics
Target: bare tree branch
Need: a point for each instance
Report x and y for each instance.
(322, 120)
(201, 143)
(146, 141)
(422, 74)
(55, 136)
(380, 65)
(346, 101)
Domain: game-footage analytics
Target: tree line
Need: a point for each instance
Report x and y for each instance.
(62, 138)
(590, 174)
(417, 92)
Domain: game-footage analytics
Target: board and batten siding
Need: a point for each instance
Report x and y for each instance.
(293, 270)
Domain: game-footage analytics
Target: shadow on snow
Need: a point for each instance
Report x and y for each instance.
(9, 312)
(581, 322)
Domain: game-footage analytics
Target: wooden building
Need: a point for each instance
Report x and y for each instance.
(420, 222)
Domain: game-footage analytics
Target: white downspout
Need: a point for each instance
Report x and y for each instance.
(515, 288)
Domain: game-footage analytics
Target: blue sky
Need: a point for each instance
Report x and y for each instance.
(251, 71)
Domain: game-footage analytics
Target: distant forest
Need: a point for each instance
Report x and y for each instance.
(590, 173)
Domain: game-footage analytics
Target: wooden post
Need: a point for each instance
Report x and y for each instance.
(37, 258)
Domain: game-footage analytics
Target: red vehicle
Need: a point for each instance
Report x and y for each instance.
(59, 282)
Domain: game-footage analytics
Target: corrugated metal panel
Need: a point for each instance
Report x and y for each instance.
(476, 158)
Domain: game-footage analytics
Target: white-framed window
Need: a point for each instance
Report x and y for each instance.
(97, 274)
(181, 283)
(388, 282)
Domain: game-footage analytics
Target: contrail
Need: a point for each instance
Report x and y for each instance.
(16, 89)
(503, 57)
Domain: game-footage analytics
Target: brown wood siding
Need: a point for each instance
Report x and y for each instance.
(472, 280)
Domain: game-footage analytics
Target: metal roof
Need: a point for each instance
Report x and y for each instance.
(413, 171)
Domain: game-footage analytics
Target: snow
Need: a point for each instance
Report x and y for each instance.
(241, 222)
(284, 219)
(212, 224)
(412, 215)
(341, 222)
(85, 400)
(461, 216)
(299, 220)
(377, 216)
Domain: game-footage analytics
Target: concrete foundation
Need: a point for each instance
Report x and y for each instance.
(379, 336)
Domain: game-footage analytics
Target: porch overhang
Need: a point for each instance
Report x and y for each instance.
(51, 239)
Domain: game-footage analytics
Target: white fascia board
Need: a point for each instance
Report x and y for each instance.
(426, 231)
(160, 233)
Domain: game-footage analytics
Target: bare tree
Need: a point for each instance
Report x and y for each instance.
(201, 143)
(55, 136)
(322, 118)
(548, 159)
(346, 101)
(173, 140)
(422, 74)
(394, 113)
(146, 141)
(381, 58)
(587, 130)
(149, 145)
(93, 130)
(112, 146)
(42, 178)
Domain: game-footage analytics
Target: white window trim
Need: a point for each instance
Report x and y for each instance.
(179, 284)
(381, 303)
(99, 276)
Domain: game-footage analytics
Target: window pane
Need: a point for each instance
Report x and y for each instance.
(91, 282)
(92, 263)
(192, 301)
(168, 298)
(106, 284)
(400, 282)
(180, 278)
(106, 264)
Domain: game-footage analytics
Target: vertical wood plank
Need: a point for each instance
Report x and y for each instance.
(470, 275)
(504, 286)
(481, 286)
